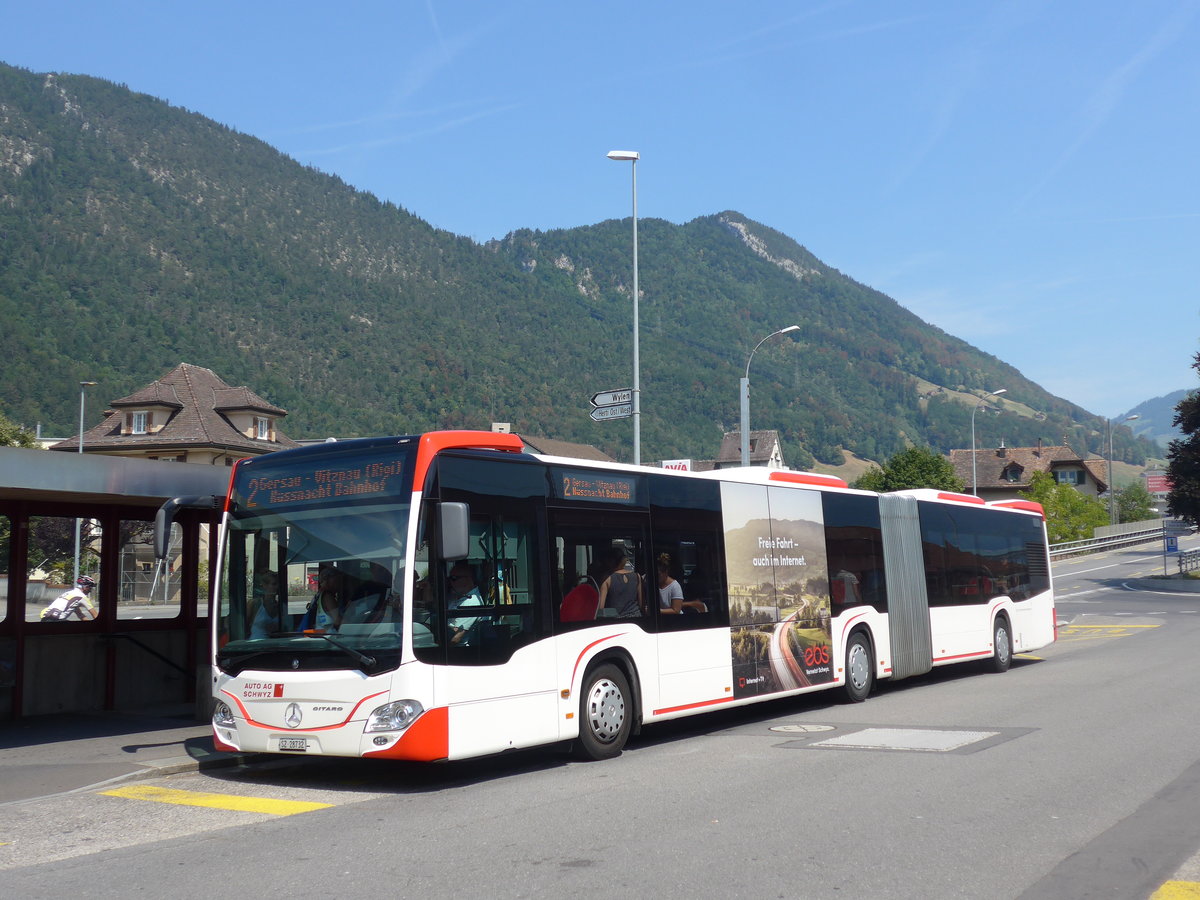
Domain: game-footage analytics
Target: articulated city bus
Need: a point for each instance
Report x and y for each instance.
(450, 595)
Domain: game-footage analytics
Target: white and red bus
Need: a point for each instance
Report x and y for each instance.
(443, 560)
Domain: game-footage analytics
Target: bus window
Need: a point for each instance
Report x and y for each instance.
(688, 540)
(480, 609)
(599, 559)
(854, 544)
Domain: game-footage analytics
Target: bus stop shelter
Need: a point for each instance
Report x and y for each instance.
(148, 645)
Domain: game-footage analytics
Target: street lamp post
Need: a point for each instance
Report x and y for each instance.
(83, 386)
(744, 393)
(974, 473)
(1112, 490)
(632, 157)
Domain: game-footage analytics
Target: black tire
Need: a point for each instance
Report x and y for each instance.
(860, 668)
(1002, 646)
(605, 713)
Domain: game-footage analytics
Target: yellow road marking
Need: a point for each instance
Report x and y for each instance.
(1177, 890)
(216, 801)
(1091, 632)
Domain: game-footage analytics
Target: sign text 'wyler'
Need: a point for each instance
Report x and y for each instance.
(613, 398)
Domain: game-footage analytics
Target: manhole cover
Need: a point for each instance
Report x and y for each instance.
(801, 729)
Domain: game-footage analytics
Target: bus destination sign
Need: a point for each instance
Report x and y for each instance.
(602, 487)
(282, 487)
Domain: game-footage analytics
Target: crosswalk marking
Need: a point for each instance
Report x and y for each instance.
(215, 801)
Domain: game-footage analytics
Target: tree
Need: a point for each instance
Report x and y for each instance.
(1070, 516)
(916, 467)
(13, 435)
(1183, 458)
(1134, 504)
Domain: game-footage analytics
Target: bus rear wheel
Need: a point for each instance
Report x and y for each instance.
(860, 673)
(1001, 646)
(605, 714)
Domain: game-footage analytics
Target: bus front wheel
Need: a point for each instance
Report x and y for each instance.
(860, 672)
(1001, 646)
(605, 714)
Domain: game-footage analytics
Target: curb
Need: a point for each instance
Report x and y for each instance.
(177, 765)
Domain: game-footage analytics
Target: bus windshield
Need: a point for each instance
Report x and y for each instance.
(313, 564)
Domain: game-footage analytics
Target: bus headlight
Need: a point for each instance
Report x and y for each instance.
(222, 715)
(394, 716)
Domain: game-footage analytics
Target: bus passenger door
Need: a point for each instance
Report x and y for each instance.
(495, 669)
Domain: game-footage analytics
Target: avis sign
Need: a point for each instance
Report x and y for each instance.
(612, 405)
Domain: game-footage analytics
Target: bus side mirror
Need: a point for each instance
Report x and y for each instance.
(165, 517)
(454, 520)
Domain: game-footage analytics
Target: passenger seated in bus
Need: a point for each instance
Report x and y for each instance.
(670, 592)
(324, 613)
(464, 592)
(266, 619)
(621, 590)
(581, 602)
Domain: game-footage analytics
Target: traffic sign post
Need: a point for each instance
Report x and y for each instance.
(612, 405)
(604, 413)
(612, 398)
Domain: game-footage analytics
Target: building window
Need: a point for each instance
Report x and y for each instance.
(262, 429)
(1068, 476)
(140, 421)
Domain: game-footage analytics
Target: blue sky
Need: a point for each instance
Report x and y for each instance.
(1021, 174)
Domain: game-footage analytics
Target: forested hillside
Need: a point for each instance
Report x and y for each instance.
(135, 235)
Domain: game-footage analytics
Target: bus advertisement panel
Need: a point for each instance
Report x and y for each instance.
(778, 588)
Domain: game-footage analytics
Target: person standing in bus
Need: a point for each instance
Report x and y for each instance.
(622, 589)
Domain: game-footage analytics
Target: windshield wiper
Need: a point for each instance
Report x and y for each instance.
(366, 661)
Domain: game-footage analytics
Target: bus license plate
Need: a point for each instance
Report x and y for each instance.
(300, 744)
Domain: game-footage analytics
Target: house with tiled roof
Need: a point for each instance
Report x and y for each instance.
(188, 415)
(1001, 473)
(766, 449)
(552, 447)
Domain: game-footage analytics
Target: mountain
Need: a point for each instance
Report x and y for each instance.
(1156, 418)
(135, 235)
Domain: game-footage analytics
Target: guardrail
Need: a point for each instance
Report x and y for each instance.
(1189, 561)
(1094, 545)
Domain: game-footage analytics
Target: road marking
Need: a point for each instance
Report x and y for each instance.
(1177, 890)
(1078, 594)
(216, 801)
(1094, 632)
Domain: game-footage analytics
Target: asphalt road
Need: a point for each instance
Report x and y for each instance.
(1075, 774)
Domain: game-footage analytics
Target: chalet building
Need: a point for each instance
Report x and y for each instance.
(188, 415)
(765, 450)
(1001, 473)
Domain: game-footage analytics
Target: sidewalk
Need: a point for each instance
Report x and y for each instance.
(51, 754)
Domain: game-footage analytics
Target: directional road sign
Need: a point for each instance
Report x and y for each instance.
(621, 411)
(613, 398)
